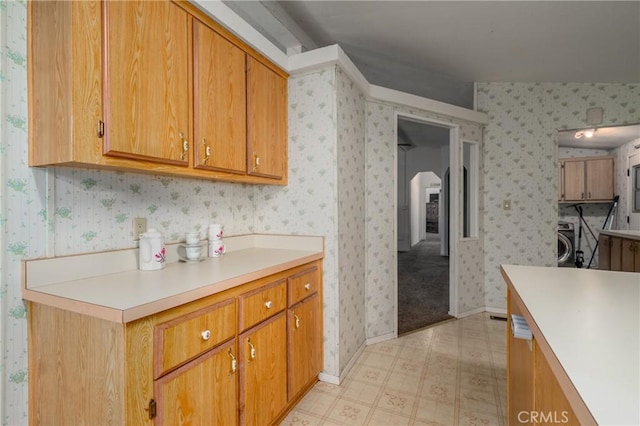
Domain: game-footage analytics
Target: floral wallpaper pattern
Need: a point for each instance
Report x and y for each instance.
(520, 163)
(351, 225)
(309, 203)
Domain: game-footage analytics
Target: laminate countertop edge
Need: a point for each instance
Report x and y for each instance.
(125, 296)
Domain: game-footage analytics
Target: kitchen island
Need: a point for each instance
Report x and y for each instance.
(583, 362)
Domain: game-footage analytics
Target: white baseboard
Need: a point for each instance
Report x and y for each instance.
(492, 310)
(471, 312)
(383, 338)
(336, 380)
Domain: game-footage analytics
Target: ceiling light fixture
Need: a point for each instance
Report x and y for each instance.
(587, 133)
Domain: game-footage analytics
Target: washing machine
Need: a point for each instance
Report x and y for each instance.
(566, 244)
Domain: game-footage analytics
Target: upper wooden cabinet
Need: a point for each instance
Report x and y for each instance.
(586, 179)
(267, 121)
(219, 91)
(154, 87)
(146, 114)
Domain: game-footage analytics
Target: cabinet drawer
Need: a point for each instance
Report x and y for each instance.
(262, 303)
(182, 339)
(302, 285)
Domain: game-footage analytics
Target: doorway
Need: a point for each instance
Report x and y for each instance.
(424, 225)
(634, 192)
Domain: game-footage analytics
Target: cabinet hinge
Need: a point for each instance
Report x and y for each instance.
(628, 174)
(627, 219)
(100, 128)
(152, 408)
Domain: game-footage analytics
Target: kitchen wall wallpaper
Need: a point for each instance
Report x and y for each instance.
(382, 278)
(351, 220)
(309, 203)
(520, 163)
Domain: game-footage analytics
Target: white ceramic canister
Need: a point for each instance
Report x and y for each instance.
(152, 251)
(215, 231)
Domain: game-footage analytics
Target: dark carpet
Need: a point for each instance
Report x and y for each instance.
(423, 286)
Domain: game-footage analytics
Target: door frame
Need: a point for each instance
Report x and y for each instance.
(455, 162)
(632, 161)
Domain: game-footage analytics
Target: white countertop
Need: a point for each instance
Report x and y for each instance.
(122, 293)
(591, 321)
(633, 235)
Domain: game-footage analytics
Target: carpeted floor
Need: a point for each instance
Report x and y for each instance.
(423, 286)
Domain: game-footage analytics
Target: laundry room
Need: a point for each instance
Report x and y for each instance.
(595, 189)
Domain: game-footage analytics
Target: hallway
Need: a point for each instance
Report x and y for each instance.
(423, 285)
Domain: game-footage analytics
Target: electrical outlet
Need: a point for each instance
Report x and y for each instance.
(139, 226)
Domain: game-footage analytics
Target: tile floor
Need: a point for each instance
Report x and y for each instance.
(453, 373)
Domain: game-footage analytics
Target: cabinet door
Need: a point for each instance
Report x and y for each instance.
(549, 398)
(266, 121)
(599, 178)
(263, 371)
(604, 252)
(630, 249)
(146, 81)
(616, 254)
(304, 341)
(573, 180)
(520, 374)
(219, 102)
(202, 392)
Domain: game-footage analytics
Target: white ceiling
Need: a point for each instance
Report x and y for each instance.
(603, 138)
(437, 49)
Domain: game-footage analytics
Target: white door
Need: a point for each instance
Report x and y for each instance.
(634, 192)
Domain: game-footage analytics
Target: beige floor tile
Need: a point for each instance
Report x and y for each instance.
(384, 349)
(374, 359)
(349, 413)
(397, 402)
(410, 366)
(298, 418)
(477, 418)
(372, 375)
(316, 403)
(327, 388)
(404, 383)
(384, 418)
(361, 392)
(438, 391)
(430, 411)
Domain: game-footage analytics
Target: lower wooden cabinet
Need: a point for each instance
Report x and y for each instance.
(263, 371)
(304, 344)
(534, 395)
(202, 392)
(207, 362)
(618, 254)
